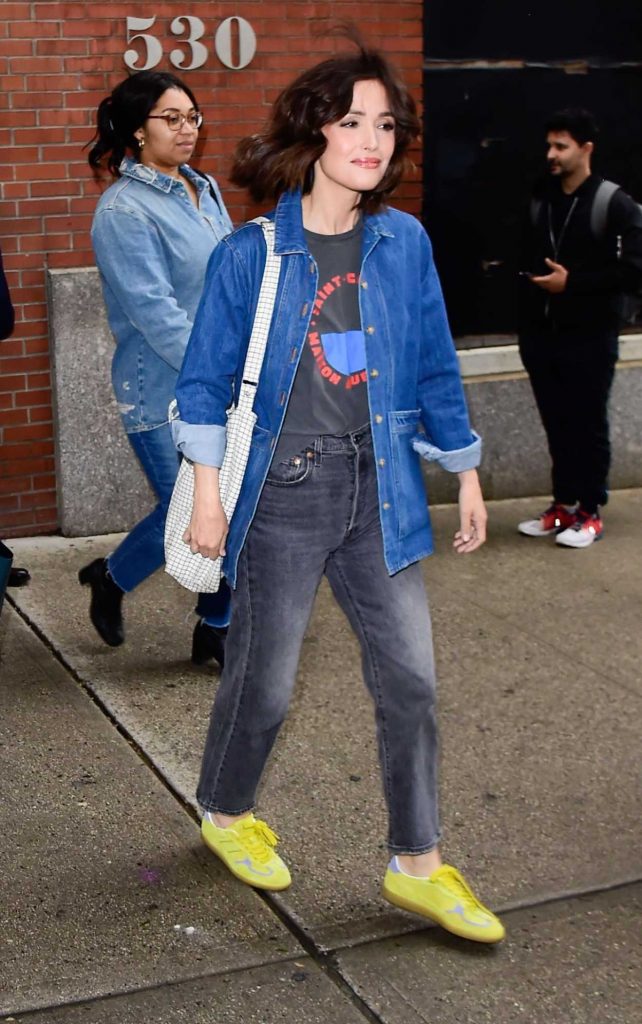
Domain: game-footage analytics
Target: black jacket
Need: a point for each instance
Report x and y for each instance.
(601, 270)
(6, 308)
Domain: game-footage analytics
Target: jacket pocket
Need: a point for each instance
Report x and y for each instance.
(409, 487)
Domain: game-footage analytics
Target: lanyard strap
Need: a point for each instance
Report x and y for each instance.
(557, 244)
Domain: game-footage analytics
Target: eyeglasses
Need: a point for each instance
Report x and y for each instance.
(175, 120)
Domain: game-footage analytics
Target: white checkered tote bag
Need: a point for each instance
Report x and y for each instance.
(195, 571)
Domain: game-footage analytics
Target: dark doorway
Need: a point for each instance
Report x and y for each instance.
(484, 133)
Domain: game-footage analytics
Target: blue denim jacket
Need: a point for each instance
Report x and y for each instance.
(152, 246)
(415, 395)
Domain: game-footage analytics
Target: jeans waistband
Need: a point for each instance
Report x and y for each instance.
(333, 444)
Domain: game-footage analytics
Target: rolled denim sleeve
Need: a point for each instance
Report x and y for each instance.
(217, 345)
(141, 286)
(200, 442)
(455, 461)
(449, 439)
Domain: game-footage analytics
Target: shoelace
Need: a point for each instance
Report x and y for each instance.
(561, 510)
(554, 510)
(259, 839)
(454, 882)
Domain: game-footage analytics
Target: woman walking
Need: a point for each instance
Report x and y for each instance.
(153, 233)
(360, 379)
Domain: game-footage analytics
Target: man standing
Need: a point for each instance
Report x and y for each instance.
(583, 255)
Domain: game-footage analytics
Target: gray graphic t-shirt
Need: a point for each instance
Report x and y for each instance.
(329, 394)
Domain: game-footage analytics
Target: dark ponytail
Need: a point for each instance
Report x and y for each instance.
(124, 112)
(108, 141)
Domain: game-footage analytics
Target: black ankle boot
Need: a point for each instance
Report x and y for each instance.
(208, 642)
(18, 577)
(106, 598)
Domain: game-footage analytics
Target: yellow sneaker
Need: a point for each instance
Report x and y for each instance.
(444, 897)
(247, 849)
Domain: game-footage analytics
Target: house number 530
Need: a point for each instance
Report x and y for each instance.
(193, 53)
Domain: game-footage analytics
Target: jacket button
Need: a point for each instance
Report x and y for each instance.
(364, 284)
(374, 373)
(370, 329)
(386, 505)
(382, 462)
(378, 418)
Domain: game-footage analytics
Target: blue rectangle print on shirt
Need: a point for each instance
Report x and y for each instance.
(345, 352)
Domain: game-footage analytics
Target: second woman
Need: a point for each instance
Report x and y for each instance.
(153, 233)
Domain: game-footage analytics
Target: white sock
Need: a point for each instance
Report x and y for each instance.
(208, 815)
(401, 870)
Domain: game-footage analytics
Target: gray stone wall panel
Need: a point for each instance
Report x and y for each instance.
(101, 487)
(516, 461)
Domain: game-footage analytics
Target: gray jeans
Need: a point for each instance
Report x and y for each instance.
(319, 513)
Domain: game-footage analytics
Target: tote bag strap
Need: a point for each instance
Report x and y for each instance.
(262, 318)
(261, 326)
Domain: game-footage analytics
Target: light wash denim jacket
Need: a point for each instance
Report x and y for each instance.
(415, 395)
(152, 246)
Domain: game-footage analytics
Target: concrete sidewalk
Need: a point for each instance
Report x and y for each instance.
(113, 912)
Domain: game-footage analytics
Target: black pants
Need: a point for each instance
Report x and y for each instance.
(571, 376)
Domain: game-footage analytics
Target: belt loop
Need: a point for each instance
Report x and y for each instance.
(361, 436)
(318, 450)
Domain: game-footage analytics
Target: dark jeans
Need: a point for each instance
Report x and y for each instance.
(143, 551)
(319, 514)
(571, 376)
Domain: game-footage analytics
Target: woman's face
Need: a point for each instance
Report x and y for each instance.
(360, 145)
(163, 148)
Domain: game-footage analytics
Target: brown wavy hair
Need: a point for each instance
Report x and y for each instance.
(283, 155)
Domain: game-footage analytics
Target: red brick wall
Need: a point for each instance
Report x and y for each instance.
(57, 61)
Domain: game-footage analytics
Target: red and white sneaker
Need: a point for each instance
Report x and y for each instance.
(587, 528)
(557, 517)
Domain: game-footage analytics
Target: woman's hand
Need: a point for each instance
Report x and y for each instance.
(208, 528)
(472, 514)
